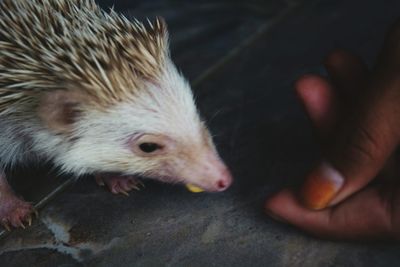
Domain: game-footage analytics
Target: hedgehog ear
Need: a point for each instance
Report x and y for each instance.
(59, 109)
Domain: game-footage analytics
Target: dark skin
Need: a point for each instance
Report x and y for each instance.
(356, 114)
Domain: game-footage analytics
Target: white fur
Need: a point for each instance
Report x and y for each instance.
(165, 108)
(140, 92)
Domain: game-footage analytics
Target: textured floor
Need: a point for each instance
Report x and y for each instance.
(243, 60)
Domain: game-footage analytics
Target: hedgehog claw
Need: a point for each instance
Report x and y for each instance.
(139, 182)
(135, 187)
(17, 214)
(124, 193)
(5, 224)
(99, 180)
(29, 220)
(36, 213)
(14, 211)
(120, 184)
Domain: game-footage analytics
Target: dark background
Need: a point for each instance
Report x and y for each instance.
(242, 58)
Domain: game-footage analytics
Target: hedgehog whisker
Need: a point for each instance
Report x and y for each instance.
(216, 113)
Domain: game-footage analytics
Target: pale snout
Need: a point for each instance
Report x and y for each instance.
(212, 174)
(224, 180)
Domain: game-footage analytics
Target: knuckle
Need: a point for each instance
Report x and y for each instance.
(364, 146)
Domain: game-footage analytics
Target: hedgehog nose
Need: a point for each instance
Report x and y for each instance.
(222, 185)
(225, 181)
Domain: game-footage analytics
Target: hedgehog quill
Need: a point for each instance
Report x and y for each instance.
(98, 94)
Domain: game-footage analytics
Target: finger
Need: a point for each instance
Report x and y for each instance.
(323, 103)
(319, 101)
(348, 74)
(364, 216)
(359, 151)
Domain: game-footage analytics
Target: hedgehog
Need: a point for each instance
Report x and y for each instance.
(96, 94)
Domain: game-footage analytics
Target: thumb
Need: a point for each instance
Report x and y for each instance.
(356, 155)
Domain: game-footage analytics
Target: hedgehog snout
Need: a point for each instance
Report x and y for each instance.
(224, 181)
(216, 174)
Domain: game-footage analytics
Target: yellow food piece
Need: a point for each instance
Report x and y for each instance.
(194, 189)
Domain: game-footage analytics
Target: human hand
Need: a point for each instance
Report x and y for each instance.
(357, 117)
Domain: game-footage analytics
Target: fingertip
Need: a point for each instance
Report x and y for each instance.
(309, 82)
(313, 90)
(283, 206)
(275, 201)
(286, 207)
(318, 99)
(321, 186)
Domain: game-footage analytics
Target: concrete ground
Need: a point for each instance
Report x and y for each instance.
(242, 58)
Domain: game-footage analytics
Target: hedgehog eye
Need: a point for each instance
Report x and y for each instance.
(149, 147)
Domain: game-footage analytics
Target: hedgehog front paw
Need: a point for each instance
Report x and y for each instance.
(14, 212)
(119, 184)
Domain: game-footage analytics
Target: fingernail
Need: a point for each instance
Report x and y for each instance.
(321, 186)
